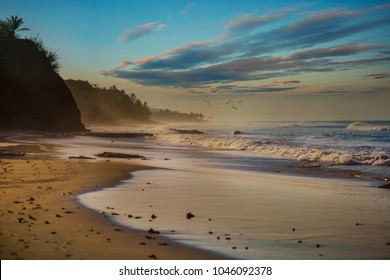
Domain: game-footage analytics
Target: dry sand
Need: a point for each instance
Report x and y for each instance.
(41, 219)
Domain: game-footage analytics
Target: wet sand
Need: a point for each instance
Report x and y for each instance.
(41, 219)
(250, 215)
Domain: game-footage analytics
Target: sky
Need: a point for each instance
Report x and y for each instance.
(230, 60)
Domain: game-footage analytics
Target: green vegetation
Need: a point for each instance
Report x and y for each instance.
(175, 116)
(9, 29)
(107, 105)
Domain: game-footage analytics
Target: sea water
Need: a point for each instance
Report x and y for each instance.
(248, 185)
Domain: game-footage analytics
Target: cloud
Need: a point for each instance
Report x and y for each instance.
(258, 89)
(377, 75)
(125, 63)
(343, 50)
(308, 33)
(252, 69)
(252, 21)
(139, 31)
(248, 52)
(287, 82)
(182, 49)
(187, 9)
(338, 90)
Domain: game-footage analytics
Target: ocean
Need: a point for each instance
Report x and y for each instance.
(258, 190)
(355, 146)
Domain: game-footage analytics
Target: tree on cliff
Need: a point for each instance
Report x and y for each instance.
(99, 104)
(8, 31)
(32, 95)
(51, 56)
(10, 27)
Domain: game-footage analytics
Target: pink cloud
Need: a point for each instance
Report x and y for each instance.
(179, 49)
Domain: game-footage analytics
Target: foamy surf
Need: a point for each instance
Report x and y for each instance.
(285, 149)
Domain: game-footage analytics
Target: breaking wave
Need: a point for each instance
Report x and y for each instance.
(282, 148)
(367, 127)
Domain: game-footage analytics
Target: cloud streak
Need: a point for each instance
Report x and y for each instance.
(248, 52)
(378, 75)
(139, 31)
(252, 21)
(252, 69)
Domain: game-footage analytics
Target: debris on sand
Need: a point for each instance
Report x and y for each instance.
(118, 155)
(189, 216)
(152, 231)
(80, 157)
(11, 153)
(185, 131)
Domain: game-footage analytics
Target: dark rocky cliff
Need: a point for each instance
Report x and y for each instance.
(32, 95)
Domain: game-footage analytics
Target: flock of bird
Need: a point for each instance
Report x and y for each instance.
(233, 105)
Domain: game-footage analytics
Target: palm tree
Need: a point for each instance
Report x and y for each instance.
(14, 25)
(4, 30)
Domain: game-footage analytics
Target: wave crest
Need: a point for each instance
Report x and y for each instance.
(367, 127)
(277, 148)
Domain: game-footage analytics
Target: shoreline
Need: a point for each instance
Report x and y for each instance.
(46, 217)
(41, 217)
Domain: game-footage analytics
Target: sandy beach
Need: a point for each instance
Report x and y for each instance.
(53, 207)
(40, 218)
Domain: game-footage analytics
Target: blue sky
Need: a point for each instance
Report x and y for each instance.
(236, 60)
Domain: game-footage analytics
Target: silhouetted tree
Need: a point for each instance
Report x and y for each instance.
(4, 30)
(10, 27)
(99, 104)
(175, 116)
(51, 56)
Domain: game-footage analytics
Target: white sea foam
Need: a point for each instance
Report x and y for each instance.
(283, 148)
(367, 127)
